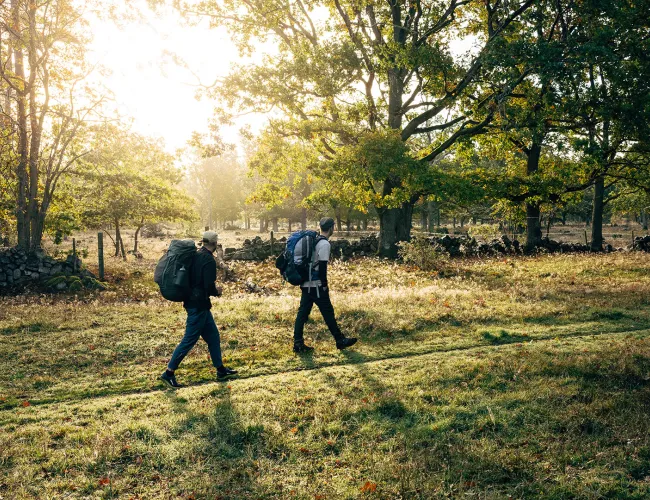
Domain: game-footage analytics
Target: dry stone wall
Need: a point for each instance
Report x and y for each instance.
(18, 270)
(258, 249)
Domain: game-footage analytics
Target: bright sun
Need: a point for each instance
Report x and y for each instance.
(153, 90)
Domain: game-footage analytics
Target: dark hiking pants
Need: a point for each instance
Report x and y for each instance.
(321, 298)
(200, 323)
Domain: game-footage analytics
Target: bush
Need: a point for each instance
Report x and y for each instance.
(421, 253)
(485, 231)
(151, 230)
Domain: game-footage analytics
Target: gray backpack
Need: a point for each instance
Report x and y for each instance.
(173, 270)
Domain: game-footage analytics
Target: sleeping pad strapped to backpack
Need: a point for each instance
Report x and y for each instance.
(297, 270)
(173, 270)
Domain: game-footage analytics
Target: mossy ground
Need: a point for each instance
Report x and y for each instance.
(525, 377)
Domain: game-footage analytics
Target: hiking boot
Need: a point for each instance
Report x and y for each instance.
(302, 349)
(224, 373)
(345, 342)
(170, 380)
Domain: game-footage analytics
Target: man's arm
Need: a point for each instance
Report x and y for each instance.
(322, 272)
(323, 253)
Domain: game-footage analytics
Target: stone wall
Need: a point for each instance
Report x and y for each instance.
(258, 249)
(454, 246)
(641, 243)
(17, 269)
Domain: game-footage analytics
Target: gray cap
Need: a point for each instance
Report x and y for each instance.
(210, 237)
(326, 223)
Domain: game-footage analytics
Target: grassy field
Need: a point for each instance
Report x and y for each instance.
(525, 377)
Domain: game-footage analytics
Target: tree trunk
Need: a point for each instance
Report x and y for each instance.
(22, 219)
(533, 227)
(137, 233)
(424, 218)
(275, 224)
(304, 219)
(364, 223)
(122, 248)
(394, 227)
(118, 238)
(431, 208)
(261, 224)
(644, 219)
(339, 224)
(597, 215)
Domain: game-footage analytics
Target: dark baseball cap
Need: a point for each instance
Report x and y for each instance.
(326, 223)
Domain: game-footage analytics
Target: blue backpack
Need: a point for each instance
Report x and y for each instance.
(297, 270)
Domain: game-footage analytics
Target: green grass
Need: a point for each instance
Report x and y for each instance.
(524, 377)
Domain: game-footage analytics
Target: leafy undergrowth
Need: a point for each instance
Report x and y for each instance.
(523, 377)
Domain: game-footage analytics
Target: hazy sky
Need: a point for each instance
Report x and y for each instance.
(149, 87)
(159, 94)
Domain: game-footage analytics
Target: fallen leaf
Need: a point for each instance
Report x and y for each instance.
(369, 487)
(26, 403)
(104, 481)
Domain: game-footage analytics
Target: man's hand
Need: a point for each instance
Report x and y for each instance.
(219, 290)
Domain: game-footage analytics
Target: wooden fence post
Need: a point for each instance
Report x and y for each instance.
(272, 250)
(632, 240)
(586, 243)
(100, 254)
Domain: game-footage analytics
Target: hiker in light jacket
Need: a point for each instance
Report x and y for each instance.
(316, 291)
(200, 322)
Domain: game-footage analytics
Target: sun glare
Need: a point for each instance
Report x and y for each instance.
(149, 76)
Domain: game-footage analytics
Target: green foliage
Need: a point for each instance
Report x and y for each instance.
(485, 231)
(421, 253)
(218, 185)
(65, 213)
(132, 180)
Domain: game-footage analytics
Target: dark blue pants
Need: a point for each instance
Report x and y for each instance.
(200, 323)
(321, 298)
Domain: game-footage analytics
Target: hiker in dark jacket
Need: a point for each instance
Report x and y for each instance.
(316, 291)
(200, 322)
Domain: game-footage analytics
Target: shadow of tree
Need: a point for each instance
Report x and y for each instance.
(227, 448)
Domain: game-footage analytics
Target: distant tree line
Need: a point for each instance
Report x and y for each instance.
(377, 108)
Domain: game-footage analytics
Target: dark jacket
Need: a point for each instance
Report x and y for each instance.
(202, 278)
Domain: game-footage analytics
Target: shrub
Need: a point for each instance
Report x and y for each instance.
(485, 231)
(421, 253)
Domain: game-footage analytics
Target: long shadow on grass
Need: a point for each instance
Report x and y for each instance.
(452, 441)
(220, 441)
(352, 357)
(424, 457)
(367, 323)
